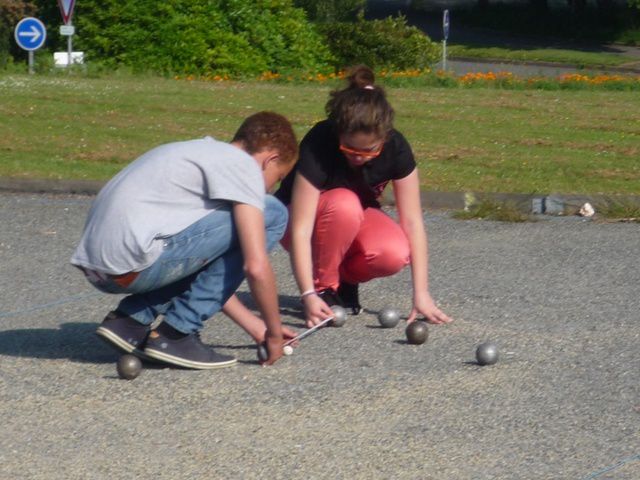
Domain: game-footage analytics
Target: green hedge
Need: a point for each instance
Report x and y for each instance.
(388, 43)
(200, 36)
(233, 37)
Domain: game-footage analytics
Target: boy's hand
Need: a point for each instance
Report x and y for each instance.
(274, 349)
(275, 346)
(287, 334)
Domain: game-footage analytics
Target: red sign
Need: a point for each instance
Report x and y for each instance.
(66, 9)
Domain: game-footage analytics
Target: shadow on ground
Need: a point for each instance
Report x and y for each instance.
(78, 341)
(73, 341)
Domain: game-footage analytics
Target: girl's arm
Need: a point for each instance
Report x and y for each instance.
(407, 195)
(304, 203)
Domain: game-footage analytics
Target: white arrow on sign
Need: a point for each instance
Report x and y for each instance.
(34, 34)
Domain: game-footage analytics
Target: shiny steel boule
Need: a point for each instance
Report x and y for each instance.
(487, 353)
(263, 353)
(128, 366)
(339, 316)
(417, 332)
(388, 317)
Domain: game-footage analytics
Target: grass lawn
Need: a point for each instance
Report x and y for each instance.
(577, 58)
(485, 140)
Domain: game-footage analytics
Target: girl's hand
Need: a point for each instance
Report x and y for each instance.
(428, 309)
(315, 310)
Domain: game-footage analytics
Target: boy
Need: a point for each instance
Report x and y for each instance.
(179, 229)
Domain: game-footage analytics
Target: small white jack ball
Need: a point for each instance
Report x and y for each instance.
(287, 350)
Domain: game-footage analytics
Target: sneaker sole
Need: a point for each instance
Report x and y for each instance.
(181, 362)
(115, 341)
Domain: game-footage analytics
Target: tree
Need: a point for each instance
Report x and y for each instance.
(331, 10)
(540, 5)
(606, 8)
(634, 3)
(577, 6)
(11, 12)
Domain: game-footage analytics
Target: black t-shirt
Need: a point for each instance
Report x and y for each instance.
(324, 165)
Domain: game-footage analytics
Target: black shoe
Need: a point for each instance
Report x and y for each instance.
(187, 352)
(330, 297)
(348, 293)
(124, 333)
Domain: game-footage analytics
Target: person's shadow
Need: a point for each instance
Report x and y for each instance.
(73, 341)
(78, 341)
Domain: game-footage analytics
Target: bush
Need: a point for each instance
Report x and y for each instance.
(236, 37)
(389, 44)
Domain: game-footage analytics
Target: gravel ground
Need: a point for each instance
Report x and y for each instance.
(559, 296)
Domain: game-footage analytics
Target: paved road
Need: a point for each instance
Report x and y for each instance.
(461, 67)
(559, 296)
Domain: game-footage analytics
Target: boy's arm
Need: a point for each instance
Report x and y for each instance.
(253, 325)
(249, 222)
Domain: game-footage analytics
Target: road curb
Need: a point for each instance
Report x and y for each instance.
(24, 185)
(552, 204)
(549, 204)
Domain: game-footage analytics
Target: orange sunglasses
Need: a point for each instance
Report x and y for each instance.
(373, 153)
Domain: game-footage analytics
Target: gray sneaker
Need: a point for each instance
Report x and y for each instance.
(124, 333)
(186, 352)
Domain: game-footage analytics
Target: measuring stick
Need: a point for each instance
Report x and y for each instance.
(308, 332)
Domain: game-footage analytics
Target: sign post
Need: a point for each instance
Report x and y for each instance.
(445, 37)
(66, 9)
(30, 35)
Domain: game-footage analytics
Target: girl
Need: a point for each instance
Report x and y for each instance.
(338, 236)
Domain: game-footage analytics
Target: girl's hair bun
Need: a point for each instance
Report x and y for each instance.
(361, 76)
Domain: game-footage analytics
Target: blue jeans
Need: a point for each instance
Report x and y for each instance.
(199, 269)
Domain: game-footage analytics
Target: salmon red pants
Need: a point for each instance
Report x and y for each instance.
(352, 244)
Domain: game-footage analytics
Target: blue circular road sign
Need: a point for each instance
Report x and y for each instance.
(30, 33)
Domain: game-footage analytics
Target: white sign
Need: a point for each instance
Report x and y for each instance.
(67, 30)
(61, 59)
